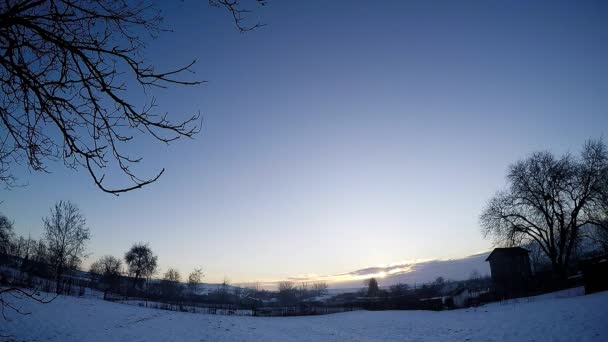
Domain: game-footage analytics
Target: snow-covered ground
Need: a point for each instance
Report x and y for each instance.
(546, 318)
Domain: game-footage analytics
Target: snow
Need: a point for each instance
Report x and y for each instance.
(544, 318)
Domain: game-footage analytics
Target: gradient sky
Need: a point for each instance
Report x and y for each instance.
(344, 134)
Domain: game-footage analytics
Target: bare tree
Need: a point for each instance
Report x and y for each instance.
(172, 274)
(239, 294)
(538, 259)
(286, 286)
(66, 234)
(372, 287)
(107, 265)
(9, 294)
(6, 233)
(65, 67)
(109, 269)
(399, 289)
(41, 252)
(599, 233)
(287, 293)
(194, 279)
(549, 200)
(141, 262)
(19, 246)
(170, 285)
(319, 288)
(7, 180)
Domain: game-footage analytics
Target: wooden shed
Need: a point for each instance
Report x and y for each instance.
(511, 273)
(595, 274)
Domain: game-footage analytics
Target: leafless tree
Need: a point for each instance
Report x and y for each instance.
(399, 289)
(65, 66)
(6, 233)
(172, 274)
(171, 287)
(141, 261)
(239, 293)
(287, 292)
(107, 265)
(599, 231)
(109, 269)
(549, 200)
(19, 247)
(9, 294)
(41, 252)
(7, 180)
(255, 289)
(194, 279)
(319, 288)
(538, 259)
(286, 286)
(66, 234)
(372, 287)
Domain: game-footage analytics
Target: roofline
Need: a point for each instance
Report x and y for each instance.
(503, 248)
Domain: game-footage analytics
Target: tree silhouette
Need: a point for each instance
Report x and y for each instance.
(65, 67)
(372, 287)
(66, 234)
(109, 269)
(141, 262)
(194, 279)
(548, 201)
(170, 285)
(6, 233)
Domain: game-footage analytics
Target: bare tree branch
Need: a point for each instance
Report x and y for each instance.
(65, 67)
(18, 293)
(238, 13)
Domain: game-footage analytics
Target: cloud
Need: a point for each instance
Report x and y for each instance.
(404, 272)
(410, 272)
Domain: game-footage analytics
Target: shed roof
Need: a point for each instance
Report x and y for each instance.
(507, 251)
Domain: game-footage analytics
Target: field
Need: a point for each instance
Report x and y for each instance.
(545, 318)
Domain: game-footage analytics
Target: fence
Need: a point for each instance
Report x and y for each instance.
(301, 310)
(230, 309)
(67, 285)
(211, 309)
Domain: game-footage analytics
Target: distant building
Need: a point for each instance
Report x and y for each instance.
(510, 271)
(461, 298)
(464, 297)
(595, 274)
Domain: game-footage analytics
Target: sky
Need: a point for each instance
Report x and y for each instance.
(343, 135)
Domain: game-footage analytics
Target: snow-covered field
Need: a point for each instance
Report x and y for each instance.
(546, 318)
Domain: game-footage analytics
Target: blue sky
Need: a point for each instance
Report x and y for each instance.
(344, 134)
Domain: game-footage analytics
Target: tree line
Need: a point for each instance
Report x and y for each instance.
(62, 249)
(58, 256)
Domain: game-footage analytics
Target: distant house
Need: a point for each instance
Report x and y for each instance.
(464, 297)
(511, 271)
(461, 298)
(595, 274)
